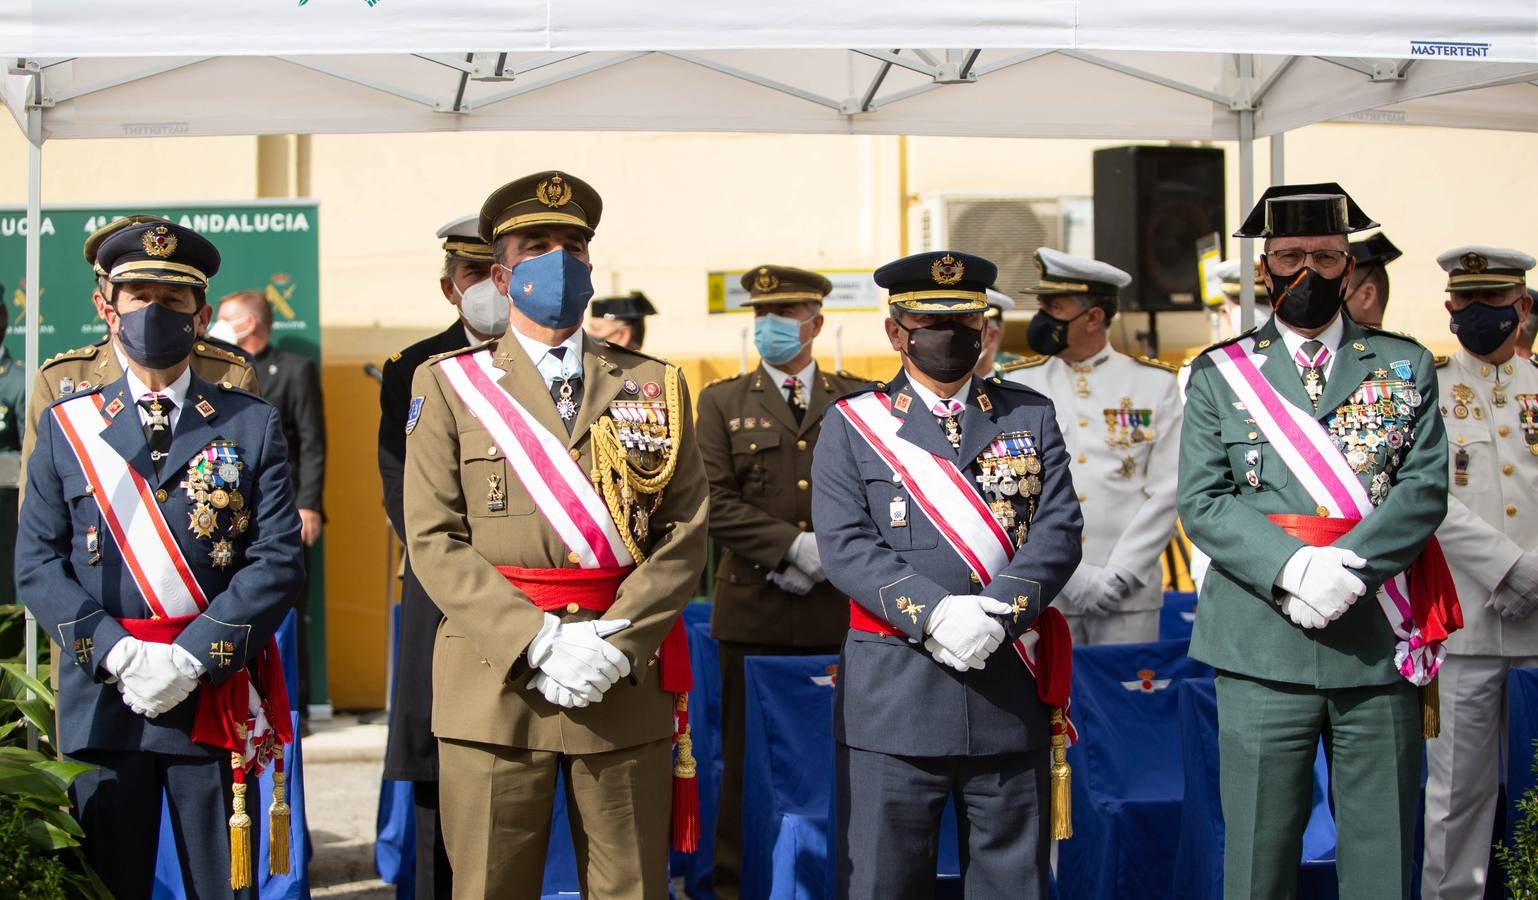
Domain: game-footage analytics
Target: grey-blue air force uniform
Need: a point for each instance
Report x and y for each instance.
(73, 577)
(910, 731)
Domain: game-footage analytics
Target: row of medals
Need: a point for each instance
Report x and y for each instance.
(213, 486)
(1375, 418)
(1527, 418)
(1127, 426)
(642, 428)
(1008, 469)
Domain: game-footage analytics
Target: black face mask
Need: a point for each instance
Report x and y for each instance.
(1481, 328)
(1048, 335)
(1307, 299)
(946, 351)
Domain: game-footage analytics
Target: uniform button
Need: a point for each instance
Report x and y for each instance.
(803, 484)
(1082, 498)
(1511, 511)
(1083, 421)
(1253, 435)
(1321, 512)
(202, 347)
(752, 446)
(1083, 459)
(576, 454)
(1503, 431)
(571, 608)
(573, 558)
(1506, 469)
(801, 445)
(161, 495)
(803, 524)
(226, 385)
(972, 577)
(651, 663)
(90, 489)
(492, 450)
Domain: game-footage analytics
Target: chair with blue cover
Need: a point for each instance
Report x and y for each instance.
(1177, 616)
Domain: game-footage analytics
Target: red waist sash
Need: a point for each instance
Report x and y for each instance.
(1433, 596)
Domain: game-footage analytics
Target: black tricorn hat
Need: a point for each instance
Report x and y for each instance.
(1377, 250)
(628, 308)
(1300, 210)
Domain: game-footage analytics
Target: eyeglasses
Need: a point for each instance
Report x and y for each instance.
(1289, 261)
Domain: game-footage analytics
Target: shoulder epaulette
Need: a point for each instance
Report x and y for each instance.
(1224, 343)
(1373, 329)
(722, 380)
(219, 353)
(1155, 363)
(616, 350)
(996, 381)
(845, 373)
(89, 350)
(1439, 361)
(1027, 362)
(439, 357)
(229, 387)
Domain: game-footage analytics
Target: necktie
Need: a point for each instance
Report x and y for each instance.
(1311, 357)
(949, 414)
(157, 427)
(794, 397)
(566, 391)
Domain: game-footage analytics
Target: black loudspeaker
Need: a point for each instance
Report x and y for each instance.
(1152, 204)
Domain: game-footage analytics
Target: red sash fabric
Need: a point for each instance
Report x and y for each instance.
(223, 718)
(1433, 596)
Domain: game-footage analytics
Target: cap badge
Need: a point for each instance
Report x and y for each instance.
(765, 282)
(554, 192)
(947, 270)
(1473, 263)
(159, 242)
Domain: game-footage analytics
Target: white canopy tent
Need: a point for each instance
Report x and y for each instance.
(1127, 69)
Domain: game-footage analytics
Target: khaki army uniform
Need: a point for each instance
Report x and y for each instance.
(500, 743)
(759, 461)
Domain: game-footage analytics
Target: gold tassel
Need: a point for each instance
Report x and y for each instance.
(1062, 801)
(1431, 709)
(240, 841)
(277, 829)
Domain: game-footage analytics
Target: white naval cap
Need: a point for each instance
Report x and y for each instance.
(1065, 274)
(1476, 267)
(998, 303)
(462, 238)
(1228, 271)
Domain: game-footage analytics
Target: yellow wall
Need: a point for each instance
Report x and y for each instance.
(678, 206)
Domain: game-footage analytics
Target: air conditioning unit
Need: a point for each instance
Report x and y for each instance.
(1006, 229)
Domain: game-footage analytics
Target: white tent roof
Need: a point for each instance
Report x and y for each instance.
(1163, 69)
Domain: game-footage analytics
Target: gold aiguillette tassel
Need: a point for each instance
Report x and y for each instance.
(1431, 709)
(240, 839)
(277, 828)
(1062, 800)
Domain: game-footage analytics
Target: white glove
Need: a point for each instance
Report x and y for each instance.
(964, 626)
(1301, 614)
(561, 695)
(1517, 596)
(804, 556)
(152, 678)
(1077, 590)
(946, 657)
(576, 656)
(793, 581)
(1322, 578)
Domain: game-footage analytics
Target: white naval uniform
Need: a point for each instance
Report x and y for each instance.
(1491, 521)
(1125, 480)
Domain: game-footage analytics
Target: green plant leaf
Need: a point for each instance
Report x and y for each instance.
(47, 836)
(19, 673)
(66, 770)
(25, 781)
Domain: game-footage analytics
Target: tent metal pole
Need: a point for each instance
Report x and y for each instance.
(1246, 199)
(34, 267)
(1279, 158)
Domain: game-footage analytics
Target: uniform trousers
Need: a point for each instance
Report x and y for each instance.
(495, 804)
(1138, 627)
(118, 805)
(435, 878)
(1268, 736)
(726, 872)
(1463, 768)
(889, 810)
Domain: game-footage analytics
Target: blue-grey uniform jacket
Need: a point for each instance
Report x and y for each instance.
(73, 577)
(892, 696)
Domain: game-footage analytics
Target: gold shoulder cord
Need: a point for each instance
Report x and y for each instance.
(622, 482)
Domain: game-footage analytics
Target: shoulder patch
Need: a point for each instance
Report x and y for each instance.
(1155, 363)
(1027, 362)
(1439, 361)
(414, 413)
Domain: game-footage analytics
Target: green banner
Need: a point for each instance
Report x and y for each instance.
(273, 248)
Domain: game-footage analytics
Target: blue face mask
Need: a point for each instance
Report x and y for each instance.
(778, 338)
(156, 336)
(553, 289)
(1481, 329)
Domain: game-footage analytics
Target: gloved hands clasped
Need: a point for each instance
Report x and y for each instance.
(576, 664)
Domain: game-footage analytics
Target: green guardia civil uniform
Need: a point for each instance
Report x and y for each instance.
(1282, 687)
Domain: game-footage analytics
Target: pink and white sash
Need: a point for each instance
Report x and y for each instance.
(562, 491)
(1318, 465)
(130, 512)
(949, 500)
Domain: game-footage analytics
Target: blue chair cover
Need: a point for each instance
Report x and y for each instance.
(1522, 731)
(1128, 783)
(296, 884)
(395, 821)
(1177, 616)
(1198, 870)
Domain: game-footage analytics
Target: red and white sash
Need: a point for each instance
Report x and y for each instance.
(1318, 465)
(559, 487)
(131, 514)
(949, 500)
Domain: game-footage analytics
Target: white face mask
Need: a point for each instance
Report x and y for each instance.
(483, 308)
(222, 330)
